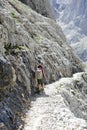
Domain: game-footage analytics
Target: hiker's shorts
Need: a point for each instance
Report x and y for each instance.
(40, 81)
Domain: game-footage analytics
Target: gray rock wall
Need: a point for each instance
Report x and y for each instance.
(41, 6)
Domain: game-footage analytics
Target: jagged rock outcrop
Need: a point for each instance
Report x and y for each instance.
(25, 39)
(41, 6)
(74, 92)
(80, 48)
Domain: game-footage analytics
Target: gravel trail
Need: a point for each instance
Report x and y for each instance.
(49, 112)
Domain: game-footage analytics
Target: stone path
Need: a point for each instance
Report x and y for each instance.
(49, 112)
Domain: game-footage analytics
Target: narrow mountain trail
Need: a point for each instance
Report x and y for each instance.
(49, 112)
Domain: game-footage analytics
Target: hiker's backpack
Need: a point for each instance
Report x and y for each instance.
(39, 74)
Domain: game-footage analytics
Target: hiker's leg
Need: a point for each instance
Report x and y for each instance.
(40, 87)
(37, 87)
(39, 84)
(43, 86)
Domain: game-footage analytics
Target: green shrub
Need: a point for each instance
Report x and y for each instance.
(14, 50)
(15, 17)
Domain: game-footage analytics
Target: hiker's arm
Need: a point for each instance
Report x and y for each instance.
(44, 75)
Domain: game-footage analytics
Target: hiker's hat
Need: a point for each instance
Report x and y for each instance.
(39, 66)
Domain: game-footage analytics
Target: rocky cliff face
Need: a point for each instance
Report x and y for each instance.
(41, 6)
(73, 15)
(25, 39)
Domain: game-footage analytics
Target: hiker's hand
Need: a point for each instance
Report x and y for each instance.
(45, 81)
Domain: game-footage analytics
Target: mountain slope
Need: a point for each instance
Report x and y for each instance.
(25, 39)
(73, 16)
